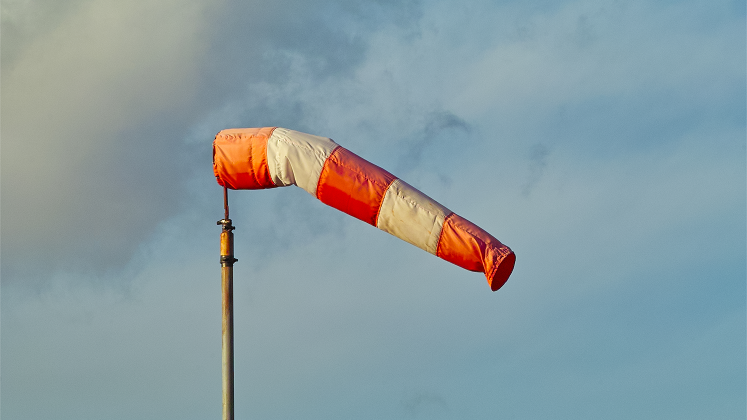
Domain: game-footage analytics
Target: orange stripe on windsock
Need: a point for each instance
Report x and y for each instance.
(466, 245)
(353, 185)
(240, 158)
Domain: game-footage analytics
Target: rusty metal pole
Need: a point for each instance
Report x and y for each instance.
(226, 264)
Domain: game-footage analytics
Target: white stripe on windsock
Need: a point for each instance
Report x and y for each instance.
(412, 216)
(296, 158)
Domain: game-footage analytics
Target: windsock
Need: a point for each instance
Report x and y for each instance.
(269, 157)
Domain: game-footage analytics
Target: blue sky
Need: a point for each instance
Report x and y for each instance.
(603, 141)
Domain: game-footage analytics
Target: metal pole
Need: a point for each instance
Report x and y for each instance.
(226, 263)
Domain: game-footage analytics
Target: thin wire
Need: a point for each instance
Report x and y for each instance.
(225, 202)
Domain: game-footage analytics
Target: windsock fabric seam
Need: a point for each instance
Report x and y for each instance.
(494, 270)
(252, 172)
(282, 136)
(286, 139)
(307, 161)
(278, 137)
(413, 202)
(381, 202)
(500, 251)
(441, 231)
(338, 161)
(319, 181)
(400, 194)
(275, 159)
(441, 235)
(269, 136)
(333, 158)
(267, 158)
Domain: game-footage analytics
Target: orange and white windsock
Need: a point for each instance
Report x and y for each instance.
(258, 158)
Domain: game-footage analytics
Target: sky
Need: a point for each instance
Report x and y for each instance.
(603, 141)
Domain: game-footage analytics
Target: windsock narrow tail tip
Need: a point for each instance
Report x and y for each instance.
(502, 272)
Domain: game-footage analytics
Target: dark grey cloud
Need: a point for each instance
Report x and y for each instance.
(91, 162)
(100, 106)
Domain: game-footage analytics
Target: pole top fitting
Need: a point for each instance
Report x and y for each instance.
(226, 223)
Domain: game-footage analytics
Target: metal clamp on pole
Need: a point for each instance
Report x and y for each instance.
(226, 263)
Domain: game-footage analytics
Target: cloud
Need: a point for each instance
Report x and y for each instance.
(442, 129)
(624, 122)
(103, 104)
(91, 160)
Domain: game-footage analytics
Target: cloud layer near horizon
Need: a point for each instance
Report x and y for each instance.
(603, 142)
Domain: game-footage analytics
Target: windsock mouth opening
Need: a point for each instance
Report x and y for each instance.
(505, 268)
